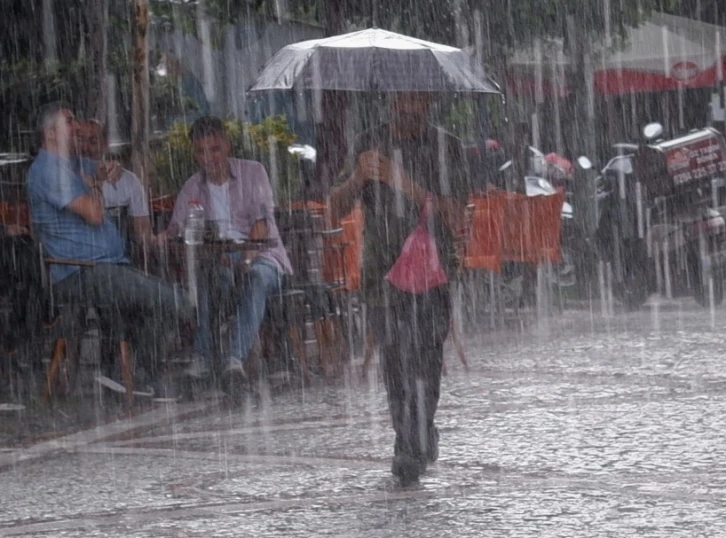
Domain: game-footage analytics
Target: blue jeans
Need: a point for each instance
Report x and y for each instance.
(245, 296)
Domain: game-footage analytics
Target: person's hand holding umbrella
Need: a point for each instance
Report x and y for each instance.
(372, 166)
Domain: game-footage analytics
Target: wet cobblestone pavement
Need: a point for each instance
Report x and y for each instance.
(577, 426)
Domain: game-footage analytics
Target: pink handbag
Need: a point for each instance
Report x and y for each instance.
(418, 267)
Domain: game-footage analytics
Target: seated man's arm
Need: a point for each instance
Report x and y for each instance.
(142, 229)
(263, 211)
(260, 230)
(11, 230)
(70, 191)
(181, 204)
(139, 212)
(89, 207)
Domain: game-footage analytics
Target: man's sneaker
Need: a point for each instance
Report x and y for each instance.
(198, 368)
(117, 387)
(406, 468)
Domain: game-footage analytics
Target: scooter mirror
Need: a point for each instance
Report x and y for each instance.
(302, 151)
(652, 131)
(506, 166)
(584, 162)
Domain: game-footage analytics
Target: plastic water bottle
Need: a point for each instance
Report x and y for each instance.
(194, 224)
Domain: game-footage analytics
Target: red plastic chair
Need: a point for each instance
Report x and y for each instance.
(516, 239)
(343, 254)
(546, 212)
(484, 246)
(18, 215)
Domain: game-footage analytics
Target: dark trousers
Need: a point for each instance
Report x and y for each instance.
(129, 303)
(410, 335)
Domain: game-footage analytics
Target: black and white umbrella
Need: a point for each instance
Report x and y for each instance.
(373, 60)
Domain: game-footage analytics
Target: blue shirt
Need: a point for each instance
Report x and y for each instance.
(53, 184)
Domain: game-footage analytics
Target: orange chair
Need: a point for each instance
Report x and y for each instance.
(343, 254)
(17, 215)
(328, 251)
(310, 205)
(163, 203)
(517, 245)
(532, 228)
(483, 249)
(162, 208)
(61, 326)
(546, 213)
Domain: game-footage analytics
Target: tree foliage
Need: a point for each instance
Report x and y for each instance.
(506, 23)
(26, 79)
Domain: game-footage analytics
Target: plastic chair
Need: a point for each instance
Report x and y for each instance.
(62, 317)
(344, 251)
(283, 315)
(14, 214)
(483, 249)
(531, 232)
(317, 256)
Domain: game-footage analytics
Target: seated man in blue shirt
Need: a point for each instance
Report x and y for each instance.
(67, 214)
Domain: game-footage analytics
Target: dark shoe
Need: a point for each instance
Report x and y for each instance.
(234, 378)
(198, 368)
(406, 468)
(432, 447)
(236, 368)
(165, 390)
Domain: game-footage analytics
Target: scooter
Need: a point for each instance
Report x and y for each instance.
(657, 230)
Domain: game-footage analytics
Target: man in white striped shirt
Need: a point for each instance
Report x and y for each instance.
(122, 191)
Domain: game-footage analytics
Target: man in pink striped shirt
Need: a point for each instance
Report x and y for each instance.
(236, 195)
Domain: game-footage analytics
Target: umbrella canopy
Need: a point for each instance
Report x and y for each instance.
(664, 53)
(373, 61)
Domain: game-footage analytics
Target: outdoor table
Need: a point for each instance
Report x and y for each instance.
(213, 248)
(195, 264)
(177, 255)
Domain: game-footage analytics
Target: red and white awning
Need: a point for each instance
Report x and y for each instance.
(664, 53)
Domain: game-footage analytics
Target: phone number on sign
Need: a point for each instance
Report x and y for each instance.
(699, 173)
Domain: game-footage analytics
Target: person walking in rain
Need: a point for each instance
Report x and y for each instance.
(398, 170)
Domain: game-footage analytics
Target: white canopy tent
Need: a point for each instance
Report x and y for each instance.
(664, 53)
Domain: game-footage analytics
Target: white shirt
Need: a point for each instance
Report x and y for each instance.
(127, 192)
(219, 211)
